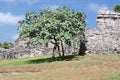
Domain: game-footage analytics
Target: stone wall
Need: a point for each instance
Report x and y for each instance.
(106, 37)
(22, 49)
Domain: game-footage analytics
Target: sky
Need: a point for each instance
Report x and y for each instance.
(11, 11)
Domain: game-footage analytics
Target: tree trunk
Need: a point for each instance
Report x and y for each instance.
(57, 45)
(59, 50)
(53, 54)
(63, 52)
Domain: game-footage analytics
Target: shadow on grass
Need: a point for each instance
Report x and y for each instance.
(48, 60)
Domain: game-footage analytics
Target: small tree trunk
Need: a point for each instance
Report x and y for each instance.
(59, 50)
(53, 54)
(63, 52)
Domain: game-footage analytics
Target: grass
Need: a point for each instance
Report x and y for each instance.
(95, 67)
(36, 60)
(115, 77)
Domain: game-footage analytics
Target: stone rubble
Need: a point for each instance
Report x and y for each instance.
(21, 49)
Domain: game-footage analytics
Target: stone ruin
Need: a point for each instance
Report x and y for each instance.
(22, 49)
(105, 39)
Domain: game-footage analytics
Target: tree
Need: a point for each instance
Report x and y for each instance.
(56, 26)
(5, 45)
(117, 8)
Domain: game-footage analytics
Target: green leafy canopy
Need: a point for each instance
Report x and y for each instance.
(117, 8)
(60, 24)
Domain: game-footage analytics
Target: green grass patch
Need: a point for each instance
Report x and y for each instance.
(37, 60)
(48, 59)
(114, 77)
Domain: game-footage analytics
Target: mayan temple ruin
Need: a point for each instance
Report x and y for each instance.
(105, 39)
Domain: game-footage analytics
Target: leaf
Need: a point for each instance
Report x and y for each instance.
(61, 24)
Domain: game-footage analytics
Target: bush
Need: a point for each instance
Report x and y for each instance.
(5, 45)
(117, 8)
